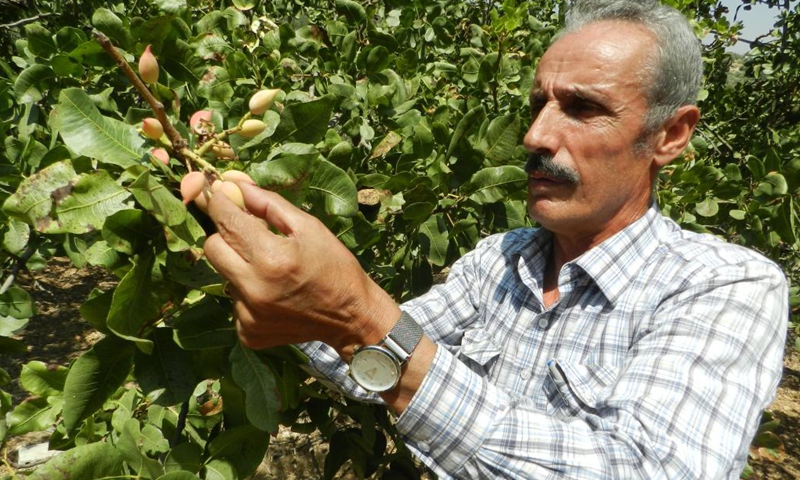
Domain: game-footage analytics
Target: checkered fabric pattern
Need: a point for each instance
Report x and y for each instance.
(655, 363)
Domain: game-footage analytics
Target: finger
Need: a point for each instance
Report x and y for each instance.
(276, 210)
(244, 233)
(225, 259)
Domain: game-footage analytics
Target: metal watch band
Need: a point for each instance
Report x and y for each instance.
(404, 337)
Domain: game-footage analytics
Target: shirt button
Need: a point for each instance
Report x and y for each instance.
(543, 323)
(423, 447)
(525, 375)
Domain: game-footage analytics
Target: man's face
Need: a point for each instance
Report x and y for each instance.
(588, 111)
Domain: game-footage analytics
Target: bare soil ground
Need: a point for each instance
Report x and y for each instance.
(57, 335)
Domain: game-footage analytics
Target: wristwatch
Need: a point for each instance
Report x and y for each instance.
(377, 368)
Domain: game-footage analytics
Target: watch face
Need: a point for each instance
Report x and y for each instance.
(375, 369)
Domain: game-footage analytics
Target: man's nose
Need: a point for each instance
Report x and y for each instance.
(541, 137)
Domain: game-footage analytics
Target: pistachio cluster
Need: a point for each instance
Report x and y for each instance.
(199, 185)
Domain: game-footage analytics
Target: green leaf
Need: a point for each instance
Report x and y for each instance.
(16, 238)
(205, 325)
(166, 375)
(188, 268)
(69, 38)
(217, 469)
(40, 40)
(737, 214)
(66, 66)
(12, 326)
(305, 122)
(128, 231)
(506, 215)
(128, 444)
(244, 4)
(707, 208)
(16, 303)
(5, 378)
(470, 70)
(258, 382)
(92, 199)
(471, 120)
(30, 84)
(33, 415)
(153, 440)
(331, 187)
(184, 457)
(89, 133)
(93, 460)
(502, 138)
(179, 475)
(352, 10)
(433, 239)
(95, 309)
(216, 85)
(43, 380)
(420, 203)
(135, 303)
(378, 59)
(337, 455)
(287, 175)
(495, 183)
(244, 447)
(156, 199)
(36, 195)
(110, 24)
(101, 254)
(185, 236)
(171, 6)
(93, 378)
(774, 185)
(784, 221)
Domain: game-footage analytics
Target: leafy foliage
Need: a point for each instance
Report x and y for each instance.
(399, 125)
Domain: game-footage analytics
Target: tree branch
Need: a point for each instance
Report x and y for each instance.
(25, 20)
(19, 264)
(178, 142)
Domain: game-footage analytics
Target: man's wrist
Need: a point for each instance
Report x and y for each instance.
(378, 368)
(369, 323)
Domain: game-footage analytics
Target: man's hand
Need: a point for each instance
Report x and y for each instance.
(296, 286)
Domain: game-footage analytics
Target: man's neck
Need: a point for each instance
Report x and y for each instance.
(569, 247)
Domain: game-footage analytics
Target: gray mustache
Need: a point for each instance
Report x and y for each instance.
(546, 165)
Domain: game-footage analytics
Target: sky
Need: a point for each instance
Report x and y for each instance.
(757, 21)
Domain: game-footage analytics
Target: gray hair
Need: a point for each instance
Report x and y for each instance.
(675, 72)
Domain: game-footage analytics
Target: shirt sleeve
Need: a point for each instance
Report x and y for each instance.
(684, 404)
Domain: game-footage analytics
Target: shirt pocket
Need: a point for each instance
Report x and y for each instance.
(478, 350)
(574, 389)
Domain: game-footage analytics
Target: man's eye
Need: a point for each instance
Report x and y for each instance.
(583, 108)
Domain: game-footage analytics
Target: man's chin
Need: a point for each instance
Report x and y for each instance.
(548, 212)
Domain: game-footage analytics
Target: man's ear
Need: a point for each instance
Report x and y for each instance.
(675, 134)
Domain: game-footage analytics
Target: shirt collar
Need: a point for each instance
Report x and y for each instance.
(617, 260)
(611, 264)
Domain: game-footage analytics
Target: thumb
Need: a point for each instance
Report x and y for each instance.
(276, 210)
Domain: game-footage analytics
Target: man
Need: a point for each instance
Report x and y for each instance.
(607, 344)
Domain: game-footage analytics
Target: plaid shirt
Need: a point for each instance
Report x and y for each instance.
(655, 363)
